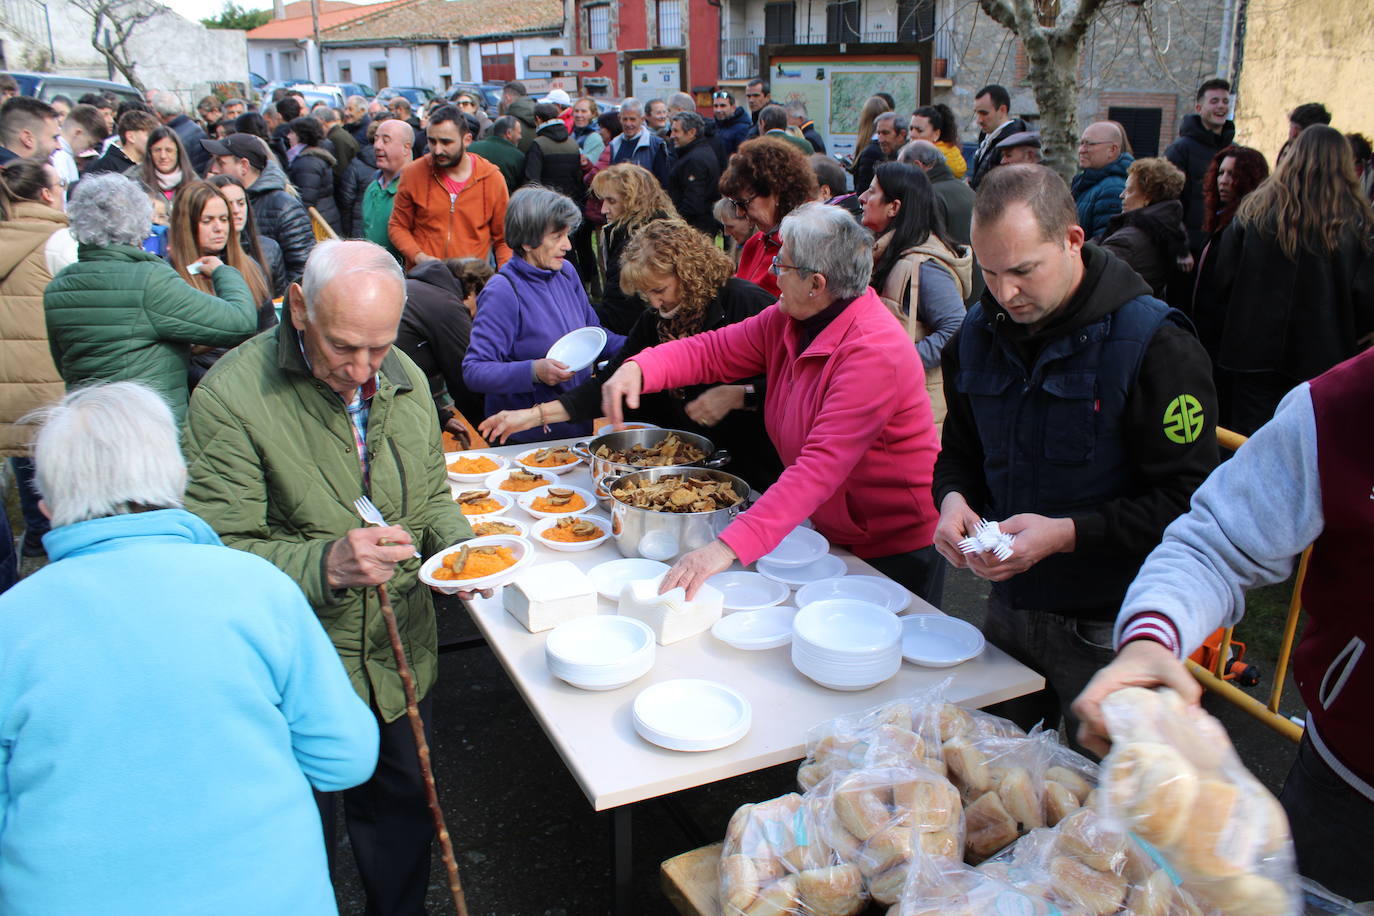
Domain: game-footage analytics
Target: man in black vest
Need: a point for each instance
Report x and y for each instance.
(1081, 418)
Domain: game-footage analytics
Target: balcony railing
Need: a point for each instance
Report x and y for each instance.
(739, 57)
(29, 19)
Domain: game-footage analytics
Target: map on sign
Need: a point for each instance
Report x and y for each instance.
(849, 91)
(835, 89)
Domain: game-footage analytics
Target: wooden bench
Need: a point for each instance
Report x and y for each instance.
(689, 881)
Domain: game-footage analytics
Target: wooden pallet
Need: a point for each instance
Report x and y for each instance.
(689, 881)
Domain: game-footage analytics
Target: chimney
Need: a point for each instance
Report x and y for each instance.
(278, 9)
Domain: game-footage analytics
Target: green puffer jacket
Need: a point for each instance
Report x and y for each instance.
(123, 314)
(274, 470)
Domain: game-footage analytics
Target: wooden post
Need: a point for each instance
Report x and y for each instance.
(417, 727)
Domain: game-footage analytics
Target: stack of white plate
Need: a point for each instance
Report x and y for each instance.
(600, 653)
(846, 644)
(691, 715)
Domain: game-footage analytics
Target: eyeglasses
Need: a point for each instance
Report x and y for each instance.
(743, 204)
(721, 94)
(777, 267)
(1083, 143)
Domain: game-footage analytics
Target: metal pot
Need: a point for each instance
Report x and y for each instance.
(666, 536)
(605, 472)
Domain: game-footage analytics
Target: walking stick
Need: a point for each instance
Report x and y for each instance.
(417, 727)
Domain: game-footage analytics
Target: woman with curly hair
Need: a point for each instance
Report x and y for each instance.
(631, 198)
(766, 180)
(1293, 293)
(1148, 233)
(1234, 173)
(936, 123)
(686, 281)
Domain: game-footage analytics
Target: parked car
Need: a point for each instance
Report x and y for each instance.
(329, 93)
(417, 96)
(46, 85)
(361, 89)
(490, 93)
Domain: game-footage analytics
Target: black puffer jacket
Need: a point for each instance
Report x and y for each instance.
(272, 261)
(282, 218)
(1150, 239)
(349, 191)
(1192, 152)
(434, 331)
(312, 172)
(693, 185)
(618, 312)
(555, 161)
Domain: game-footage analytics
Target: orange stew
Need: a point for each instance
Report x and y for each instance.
(480, 507)
(520, 483)
(479, 465)
(549, 458)
(482, 561)
(575, 503)
(572, 530)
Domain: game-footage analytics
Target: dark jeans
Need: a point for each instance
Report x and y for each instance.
(1068, 651)
(1333, 826)
(389, 824)
(920, 571)
(34, 520)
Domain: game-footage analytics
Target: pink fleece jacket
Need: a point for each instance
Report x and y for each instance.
(849, 416)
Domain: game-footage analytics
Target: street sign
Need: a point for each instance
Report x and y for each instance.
(548, 63)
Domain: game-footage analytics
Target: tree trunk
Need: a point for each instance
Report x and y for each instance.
(1053, 73)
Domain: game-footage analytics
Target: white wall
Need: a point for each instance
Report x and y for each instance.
(277, 59)
(875, 16)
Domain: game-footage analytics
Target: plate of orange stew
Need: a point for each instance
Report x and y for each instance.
(571, 532)
(485, 562)
(473, 467)
(556, 501)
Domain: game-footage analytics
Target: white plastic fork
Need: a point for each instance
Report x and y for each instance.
(373, 516)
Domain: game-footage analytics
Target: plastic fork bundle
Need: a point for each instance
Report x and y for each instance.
(988, 537)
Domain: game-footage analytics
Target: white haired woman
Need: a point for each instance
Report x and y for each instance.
(846, 407)
(120, 313)
(533, 300)
(168, 703)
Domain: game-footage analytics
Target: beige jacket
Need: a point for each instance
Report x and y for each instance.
(31, 251)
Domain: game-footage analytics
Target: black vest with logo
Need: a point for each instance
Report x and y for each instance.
(1054, 441)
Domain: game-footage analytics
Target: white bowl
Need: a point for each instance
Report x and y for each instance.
(845, 628)
(494, 480)
(544, 524)
(843, 680)
(748, 591)
(449, 457)
(610, 577)
(578, 349)
(518, 523)
(875, 589)
(604, 652)
(560, 469)
(800, 547)
(632, 424)
(506, 500)
(588, 502)
(521, 548)
(688, 714)
(751, 631)
(939, 641)
(827, 566)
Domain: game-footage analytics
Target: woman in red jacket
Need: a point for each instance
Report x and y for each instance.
(846, 407)
(767, 179)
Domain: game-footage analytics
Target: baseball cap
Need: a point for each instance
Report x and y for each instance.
(558, 97)
(240, 146)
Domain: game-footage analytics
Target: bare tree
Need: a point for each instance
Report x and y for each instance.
(113, 24)
(1053, 39)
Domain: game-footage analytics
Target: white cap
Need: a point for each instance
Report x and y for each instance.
(558, 97)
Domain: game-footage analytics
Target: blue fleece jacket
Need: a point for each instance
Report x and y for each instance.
(167, 703)
(520, 313)
(1097, 195)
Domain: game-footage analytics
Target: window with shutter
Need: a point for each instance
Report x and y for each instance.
(842, 22)
(780, 23)
(915, 20)
(1142, 127)
(669, 23)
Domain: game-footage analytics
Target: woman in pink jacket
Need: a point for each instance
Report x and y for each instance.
(846, 407)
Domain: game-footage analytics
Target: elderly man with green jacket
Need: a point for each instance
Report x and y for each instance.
(281, 437)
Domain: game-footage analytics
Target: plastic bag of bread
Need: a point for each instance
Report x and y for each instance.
(775, 860)
(881, 819)
(1003, 781)
(896, 734)
(1070, 780)
(1173, 778)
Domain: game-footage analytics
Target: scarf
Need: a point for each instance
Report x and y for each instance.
(685, 322)
(169, 181)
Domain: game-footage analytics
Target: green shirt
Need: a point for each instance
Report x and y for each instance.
(377, 202)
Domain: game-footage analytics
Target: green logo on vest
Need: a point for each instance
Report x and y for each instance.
(1183, 420)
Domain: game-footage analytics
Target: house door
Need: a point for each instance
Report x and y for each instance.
(379, 77)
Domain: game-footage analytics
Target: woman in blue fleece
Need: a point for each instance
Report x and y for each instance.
(166, 703)
(532, 301)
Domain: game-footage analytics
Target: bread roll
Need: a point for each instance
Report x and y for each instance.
(1084, 836)
(954, 721)
(906, 742)
(837, 890)
(1099, 892)
(739, 882)
(1221, 840)
(1154, 786)
(968, 766)
(1250, 895)
(989, 827)
(734, 831)
(809, 775)
(769, 870)
(777, 899)
(1070, 780)
(1198, 736)
(887, 887)
(1019, 798)
(932, 804)
(863, 809)
(1059, 802)
(888, 847)
(941, 843)
(1155, 897)
(936, 765)
(898, 714)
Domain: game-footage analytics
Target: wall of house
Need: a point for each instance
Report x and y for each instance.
(1324, 55)
(277, 59)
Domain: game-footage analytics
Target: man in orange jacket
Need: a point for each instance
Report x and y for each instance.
(449, 203)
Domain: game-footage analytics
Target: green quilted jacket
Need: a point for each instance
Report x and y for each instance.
(123, 314)
(274, 470)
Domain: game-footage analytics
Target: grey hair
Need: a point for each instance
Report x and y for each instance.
(827, 240)
(108, 449)
(796, 108)
(922, 153)
(885, 116)
(167, 104)
(690, 120)
(228, 102)
(503, 125)
(357, 101)
(630, 103)
(329, 260)
(682, 102)
(534, 212)
(109, 209)
(724, 209)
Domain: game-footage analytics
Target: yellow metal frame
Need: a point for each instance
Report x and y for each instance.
(320, 226)
(1215, 680)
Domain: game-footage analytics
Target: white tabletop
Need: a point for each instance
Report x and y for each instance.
(594, 731)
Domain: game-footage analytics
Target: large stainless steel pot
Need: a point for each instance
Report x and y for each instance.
(604, 471)
(666, 536)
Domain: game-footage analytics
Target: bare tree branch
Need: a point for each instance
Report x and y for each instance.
(1082, 18)
(124, 17)
(1000, 11)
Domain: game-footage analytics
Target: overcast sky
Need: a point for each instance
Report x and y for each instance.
(196, 10)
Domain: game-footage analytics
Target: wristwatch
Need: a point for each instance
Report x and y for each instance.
(751, 397)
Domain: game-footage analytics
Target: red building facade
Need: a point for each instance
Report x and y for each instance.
(618, 32)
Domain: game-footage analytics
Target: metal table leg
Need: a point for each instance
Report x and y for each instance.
(622, 861)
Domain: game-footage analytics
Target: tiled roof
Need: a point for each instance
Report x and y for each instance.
(301, 26)
(451, 19)
(302, 7)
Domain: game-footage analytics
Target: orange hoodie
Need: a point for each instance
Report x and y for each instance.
(425, 218)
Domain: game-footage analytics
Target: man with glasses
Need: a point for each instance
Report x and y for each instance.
(1097, 188)
(732, 124)
(757, 95)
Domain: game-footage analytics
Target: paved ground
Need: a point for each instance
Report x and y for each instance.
(528, 841)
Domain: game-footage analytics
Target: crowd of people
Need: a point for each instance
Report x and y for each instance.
(894, 345)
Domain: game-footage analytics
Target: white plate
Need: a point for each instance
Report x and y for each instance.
(610, 577)
(450, 457)
(557, 469)
(748, 591)
(767, 628)
(865, 588)
(524, 555)
(801, 546)
(938, 641)
(827, 567)
(577, 349)
(527, 498)
(505, 499)
(633, 424)
(537, 533)
(688, 714)
(522, 525)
